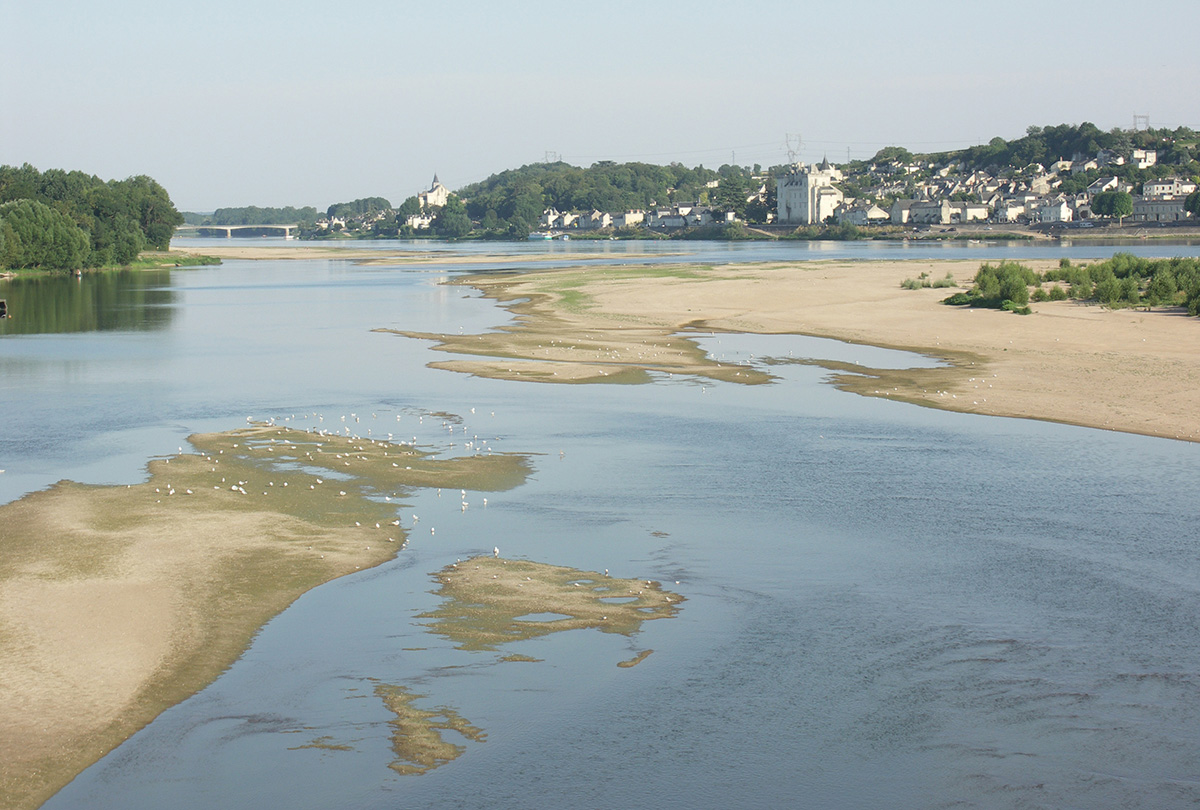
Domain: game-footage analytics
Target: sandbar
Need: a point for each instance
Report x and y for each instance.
(117, 602)
(1131, 370)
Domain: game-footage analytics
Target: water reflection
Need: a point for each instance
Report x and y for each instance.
(118, 300)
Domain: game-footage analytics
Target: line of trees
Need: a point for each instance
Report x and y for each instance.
(514, 200)
(256, 215)
(60, 220)
(1123, 280)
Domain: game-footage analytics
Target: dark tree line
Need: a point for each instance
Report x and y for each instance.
(59, 220)
(254, 215)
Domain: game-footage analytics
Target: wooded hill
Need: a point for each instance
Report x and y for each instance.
(60, 220)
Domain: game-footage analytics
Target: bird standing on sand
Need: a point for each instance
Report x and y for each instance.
(496, 551)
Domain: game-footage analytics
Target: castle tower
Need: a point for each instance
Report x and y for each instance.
(806, 195)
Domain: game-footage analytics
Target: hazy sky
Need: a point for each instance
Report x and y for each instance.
(265, 102)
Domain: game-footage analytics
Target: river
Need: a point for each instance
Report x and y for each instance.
(887, 606)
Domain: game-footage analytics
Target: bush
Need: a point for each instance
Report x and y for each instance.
(1057, 293)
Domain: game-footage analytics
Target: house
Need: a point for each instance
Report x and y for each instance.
(1056, 210)
(1161, 209)
(863, 213)
(930, 212)
(902, 211)
(1144, 158)
(968, 212)
(629, 219)
(1168, 187)
(594, 221)
(1102, 184)
(1012, 210)
(806, 195)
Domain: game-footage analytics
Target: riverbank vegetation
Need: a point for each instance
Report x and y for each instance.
(63, 221)
(1124, 280)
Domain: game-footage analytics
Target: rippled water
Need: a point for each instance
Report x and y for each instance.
(888, 606)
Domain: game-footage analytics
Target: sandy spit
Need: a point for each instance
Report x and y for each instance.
(1130, 370)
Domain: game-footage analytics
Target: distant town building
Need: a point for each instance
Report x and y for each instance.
(1168, 187)
(806, 195)
(863, 213)
(435, 197)
(1158, 209)
(1144, 158)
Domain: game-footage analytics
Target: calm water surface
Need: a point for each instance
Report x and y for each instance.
(887, 606)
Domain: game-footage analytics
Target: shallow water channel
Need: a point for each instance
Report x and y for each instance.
(886, 606)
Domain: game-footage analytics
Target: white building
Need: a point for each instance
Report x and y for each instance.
(1055, 211)
(861, 214)
(435, 197)
(628, 219)
(805, 195)
(1148, 209)
(1168, 187)
(1144, 158)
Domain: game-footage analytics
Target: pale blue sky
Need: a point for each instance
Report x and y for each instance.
(265, 102)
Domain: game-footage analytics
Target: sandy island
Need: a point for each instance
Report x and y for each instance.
(1131, 370)
(118, 602)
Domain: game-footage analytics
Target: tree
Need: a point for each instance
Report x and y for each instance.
(451, 220)
(409, 208)
(39, 237)
(1192, 204)
(1113, 204)
(731, 195)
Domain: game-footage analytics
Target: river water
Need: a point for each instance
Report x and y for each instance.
(887, 606)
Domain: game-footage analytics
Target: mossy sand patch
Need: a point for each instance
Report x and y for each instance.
(492, 601)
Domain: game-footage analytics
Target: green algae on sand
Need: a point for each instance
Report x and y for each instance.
(418, 737)
(492, 601)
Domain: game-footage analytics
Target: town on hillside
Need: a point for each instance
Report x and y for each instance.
(1121, 176)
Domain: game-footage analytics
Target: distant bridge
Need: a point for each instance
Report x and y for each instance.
(241, 231)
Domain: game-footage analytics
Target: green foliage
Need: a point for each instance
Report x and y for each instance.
(452, 221)
(1004, 286)
(1113, 204)
(254, 215)
(893, 153)
(119, 218)
(923, 281)
(34, 236)
(1192, 204)
(731, 194)
(1128, 280)
(524, 193)
(409, 208)
(356, 208)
